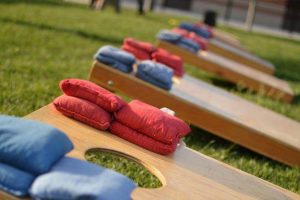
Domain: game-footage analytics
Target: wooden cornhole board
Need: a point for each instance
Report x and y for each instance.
(186, 174)
(214, 110)
(234, 72)
(228, 38)
(240, 56)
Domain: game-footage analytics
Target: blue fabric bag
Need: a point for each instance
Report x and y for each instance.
(169, 36)
(115, 57)
(178, 40)
(15, 181)
(198, 30)
(72, 179)
(30, 145)
(189, 45)
(155, 73)
(115, 64)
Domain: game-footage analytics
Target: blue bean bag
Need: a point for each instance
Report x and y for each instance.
(75, 179)
(31, 146)
(179, 40)
(155, 73)
(115, 58)
(15, 181)
(169, 36)
(189, 44)
(198, 30)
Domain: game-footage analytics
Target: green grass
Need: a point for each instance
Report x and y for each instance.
(137, 172)
(44, 41)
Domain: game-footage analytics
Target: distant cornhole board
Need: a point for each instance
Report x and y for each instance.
(234, 72)
(186, 174)
(228, 39)
(214, 110)
(240, 56)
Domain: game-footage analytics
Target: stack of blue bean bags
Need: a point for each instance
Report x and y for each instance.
(196, 29)
(115, 58)
(179, 40)
(156, 73)
(152, 72)
(33, 161)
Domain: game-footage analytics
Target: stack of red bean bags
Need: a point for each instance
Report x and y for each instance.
(146, 51)
(87, 102)
(136, 121)
(149, 127)
(141, 50)
(202, 42)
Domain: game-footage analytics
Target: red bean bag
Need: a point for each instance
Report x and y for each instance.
(142, 50)
(84, 111)
(152, 122)
(139, 54)
(202, 42)
(144, 46)
(142, 140)
(181, 31)
(172, 61)
(89, 91)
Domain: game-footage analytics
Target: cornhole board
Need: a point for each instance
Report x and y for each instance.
(185, 174)
(214, 110)
(240, 56)
(234, 72)
(227, 38)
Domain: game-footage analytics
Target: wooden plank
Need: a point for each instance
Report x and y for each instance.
(234, 72)
(228, 38)
(214, 110)
(6, 196)
(186, 174)
(239, 56)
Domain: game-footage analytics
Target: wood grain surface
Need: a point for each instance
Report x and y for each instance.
(240, 56)
(214, 110)
(234, 72)
(186, 174)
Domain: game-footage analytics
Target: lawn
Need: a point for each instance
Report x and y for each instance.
(44, 41)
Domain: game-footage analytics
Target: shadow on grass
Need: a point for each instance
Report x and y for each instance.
(223, 84)
(296, 99)
(222, 149)
(80, 33)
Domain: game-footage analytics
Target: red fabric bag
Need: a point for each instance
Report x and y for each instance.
(144, 46)
(142, 50)
(83, 111)
(152, 122)
(142, 140)
(172, 61)
(90, 91)
(181, 31)
(202, 42)
(139, 54)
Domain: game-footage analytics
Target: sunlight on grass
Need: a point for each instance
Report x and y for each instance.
(44, 41)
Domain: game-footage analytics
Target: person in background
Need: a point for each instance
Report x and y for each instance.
(100, 4)
(140, 7)
(96, 4)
